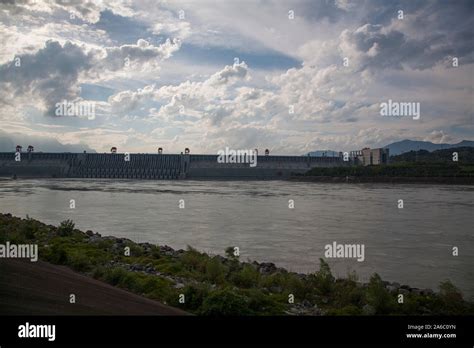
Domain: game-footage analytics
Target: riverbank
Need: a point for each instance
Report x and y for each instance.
(397, 172)
(216, 285)
(384, 179)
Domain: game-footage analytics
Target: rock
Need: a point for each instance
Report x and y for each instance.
(299, 309)
(149, 268)
(403, 291)
(147, 247)
(179, 286)
(89, 233)
(95, 238)
(137, 267)
(220, 258)
(396, 285)
(416, 291)
(267, 268)
(168, 251)
(427, 292)
(391, 288)
(368, 310)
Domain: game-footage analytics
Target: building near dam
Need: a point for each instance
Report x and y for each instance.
(168, 166)
(368, 157)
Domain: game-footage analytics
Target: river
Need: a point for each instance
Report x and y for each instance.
(412, 245)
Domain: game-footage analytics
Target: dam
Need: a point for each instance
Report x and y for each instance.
(154, 166)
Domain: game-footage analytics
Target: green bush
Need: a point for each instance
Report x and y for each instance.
(247, 277)
(323, 278)
(225, 303)
(263, 304)
(57, 254)
(378, 297)
(29, 229)
(195, 296)
(115, 276)
(66, 228)
(193, 260)
(451, 298)
(79, 262)
(215, 271)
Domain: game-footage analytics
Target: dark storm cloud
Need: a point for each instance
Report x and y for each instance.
(52, 73)
(442, 30)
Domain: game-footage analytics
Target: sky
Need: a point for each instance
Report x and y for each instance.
(288, 76)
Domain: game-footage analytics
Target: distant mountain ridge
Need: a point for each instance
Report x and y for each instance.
(403, 146)
(8, 142)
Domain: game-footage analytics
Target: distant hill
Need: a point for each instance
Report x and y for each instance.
(465, 156)
(8, 142)
(403, 146)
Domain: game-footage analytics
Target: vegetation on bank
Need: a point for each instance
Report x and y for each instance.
(401, 169)
(413, 164)
(465, 156)
(217, 285)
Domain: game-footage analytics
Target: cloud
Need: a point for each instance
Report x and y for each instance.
(141, 56)
(438, 137)
(86, 10)
(54, 72)
(193, 98)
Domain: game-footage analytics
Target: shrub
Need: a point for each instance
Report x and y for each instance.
(324, 278)
(247, 277)
(225, 303)
(29, 229)
(378, 297)
(194, 260)
(263, 304)
(79, 263)
(57, 254)
(66, 228)
(215, 271)
(115, 276)
(195, 295)
(451, 298)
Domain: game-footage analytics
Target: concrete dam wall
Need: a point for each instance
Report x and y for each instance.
(154, 166)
